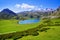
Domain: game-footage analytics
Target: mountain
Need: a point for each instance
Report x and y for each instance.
(35, 13)
(7, 14)
(7, 11)
(56, 12)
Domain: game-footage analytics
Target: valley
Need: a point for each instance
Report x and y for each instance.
(47, 28)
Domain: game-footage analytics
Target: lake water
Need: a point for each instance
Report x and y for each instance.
(28, 21)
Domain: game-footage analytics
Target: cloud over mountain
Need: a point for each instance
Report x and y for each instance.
(25, 6)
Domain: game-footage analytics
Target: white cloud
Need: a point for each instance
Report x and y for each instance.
(37, 9)
(0, 10)
(25, 6)
(17, 5)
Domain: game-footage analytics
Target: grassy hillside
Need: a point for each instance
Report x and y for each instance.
(7, 26)
(52, 34)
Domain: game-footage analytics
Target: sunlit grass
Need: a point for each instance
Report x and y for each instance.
(7, 26)
(52, 34)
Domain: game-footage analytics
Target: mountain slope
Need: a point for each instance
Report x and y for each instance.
(56, 12)
(7, 14)
(34, 13)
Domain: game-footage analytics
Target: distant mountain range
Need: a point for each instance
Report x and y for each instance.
(35, 13)
(8, 14)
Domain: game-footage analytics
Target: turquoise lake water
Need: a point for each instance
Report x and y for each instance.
(29, 21)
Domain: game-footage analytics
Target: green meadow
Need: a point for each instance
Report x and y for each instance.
(10, 26)
(51, 34)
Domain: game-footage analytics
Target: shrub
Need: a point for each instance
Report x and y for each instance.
(35, 33)
(44, 29)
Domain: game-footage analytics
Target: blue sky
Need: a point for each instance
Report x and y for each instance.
(24, 5)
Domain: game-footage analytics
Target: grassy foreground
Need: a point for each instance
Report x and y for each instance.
(8, 26)
(51, 34)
